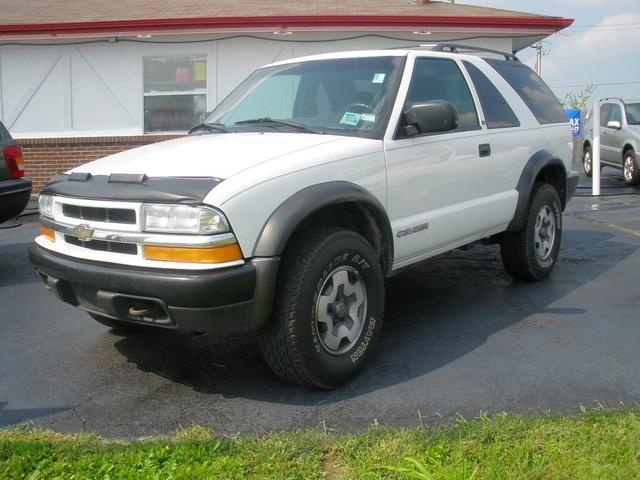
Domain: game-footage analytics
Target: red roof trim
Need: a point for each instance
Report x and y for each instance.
(114, 26)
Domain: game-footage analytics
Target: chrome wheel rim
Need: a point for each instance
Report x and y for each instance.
(629, 167)
(341, 310)
(587, 162)
(544, 232)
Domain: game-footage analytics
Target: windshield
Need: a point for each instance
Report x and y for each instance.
(351, 96)
(633, 113)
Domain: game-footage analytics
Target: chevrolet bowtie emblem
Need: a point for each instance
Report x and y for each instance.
(83, 231)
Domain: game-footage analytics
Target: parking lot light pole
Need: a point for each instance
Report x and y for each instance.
(595, 151)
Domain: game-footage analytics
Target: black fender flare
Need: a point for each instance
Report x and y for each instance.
(287, 216)
(536, 163)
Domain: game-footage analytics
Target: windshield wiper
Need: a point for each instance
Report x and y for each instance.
(209, 127)
(277, 121)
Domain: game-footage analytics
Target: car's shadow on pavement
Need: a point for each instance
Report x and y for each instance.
(14, 416)
(13, 259)
(436, 313)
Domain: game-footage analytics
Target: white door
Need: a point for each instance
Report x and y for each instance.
(438, 185)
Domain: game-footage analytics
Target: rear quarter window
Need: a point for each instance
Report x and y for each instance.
(497, 112)
(534, 92)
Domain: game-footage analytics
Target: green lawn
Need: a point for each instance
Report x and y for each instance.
(593, 445)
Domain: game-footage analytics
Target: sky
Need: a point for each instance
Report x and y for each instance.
(601, 47)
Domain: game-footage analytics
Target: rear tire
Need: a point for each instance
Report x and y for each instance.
(630, 168)
(328, 308)
(531, 253)
(117, 326)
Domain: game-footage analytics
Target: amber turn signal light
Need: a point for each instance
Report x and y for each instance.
(227, 253)
(47, 232)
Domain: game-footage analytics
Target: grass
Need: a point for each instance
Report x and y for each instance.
(593, 445)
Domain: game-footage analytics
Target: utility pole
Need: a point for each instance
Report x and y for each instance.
(595, 150)
(538, 48)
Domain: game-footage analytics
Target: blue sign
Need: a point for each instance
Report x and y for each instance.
(575, 119)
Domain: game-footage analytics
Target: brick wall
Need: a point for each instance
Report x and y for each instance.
(45, 157)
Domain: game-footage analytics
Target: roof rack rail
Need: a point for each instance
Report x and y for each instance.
(620, 99)
(456, 48)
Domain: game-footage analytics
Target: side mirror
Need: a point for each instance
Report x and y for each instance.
(614, 124)
(430, 117)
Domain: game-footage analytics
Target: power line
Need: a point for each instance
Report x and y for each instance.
(568, 32)
(596, 84)
(604, 26)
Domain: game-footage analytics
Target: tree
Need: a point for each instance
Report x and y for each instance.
(578, 100)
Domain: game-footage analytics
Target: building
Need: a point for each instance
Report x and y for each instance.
(83, 78)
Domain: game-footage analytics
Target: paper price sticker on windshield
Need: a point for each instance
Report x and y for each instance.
(350, 118)
(378, 78)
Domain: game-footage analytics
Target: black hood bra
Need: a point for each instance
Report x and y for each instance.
(132, 187)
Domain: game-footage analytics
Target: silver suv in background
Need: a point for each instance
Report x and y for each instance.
(619, 138)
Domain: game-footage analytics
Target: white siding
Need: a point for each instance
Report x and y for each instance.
(97, 89)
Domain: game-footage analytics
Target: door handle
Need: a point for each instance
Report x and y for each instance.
(484, 150)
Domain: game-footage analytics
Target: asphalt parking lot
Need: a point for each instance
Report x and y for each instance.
(460, 337)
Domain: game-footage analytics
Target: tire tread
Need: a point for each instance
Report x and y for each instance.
(279, 343)
(515, 247)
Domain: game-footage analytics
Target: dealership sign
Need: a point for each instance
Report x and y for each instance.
(575, 119)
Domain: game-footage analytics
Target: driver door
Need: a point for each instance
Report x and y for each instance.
(612, 137)
(438, 185)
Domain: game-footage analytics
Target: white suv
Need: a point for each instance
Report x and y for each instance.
(313, 181)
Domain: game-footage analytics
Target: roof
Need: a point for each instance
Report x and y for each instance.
(68, 17)
(395, 52)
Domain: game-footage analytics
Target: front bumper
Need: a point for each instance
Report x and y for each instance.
(572, 184)
(226, 301)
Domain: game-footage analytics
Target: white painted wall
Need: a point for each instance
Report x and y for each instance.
(97, 89)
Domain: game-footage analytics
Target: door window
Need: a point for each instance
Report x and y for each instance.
(616, 114)
(605, 113)
(441, 79)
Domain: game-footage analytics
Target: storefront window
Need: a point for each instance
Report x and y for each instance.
(175, 92)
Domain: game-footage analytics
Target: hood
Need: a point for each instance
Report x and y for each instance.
(219, 155)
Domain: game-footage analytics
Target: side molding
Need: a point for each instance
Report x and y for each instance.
(532, 168)
(284, 220)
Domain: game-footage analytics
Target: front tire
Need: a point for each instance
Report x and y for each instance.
(531, 253)
(587, 161)
(630, 168)
(328, 309)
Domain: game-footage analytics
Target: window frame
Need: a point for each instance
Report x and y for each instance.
(504, 73)
(397, 133)
(467, 64)
(193, 92)
(626, 113)
(613, 107)
(605, 114)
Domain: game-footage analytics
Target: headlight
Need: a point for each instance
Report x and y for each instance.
(45, 205)
(183, 219)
